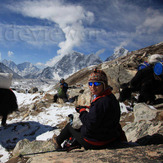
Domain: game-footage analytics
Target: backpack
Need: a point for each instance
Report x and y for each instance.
(158, 68)
(143, 65)
(61, 92)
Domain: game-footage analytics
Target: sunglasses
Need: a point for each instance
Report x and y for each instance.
(94, 83)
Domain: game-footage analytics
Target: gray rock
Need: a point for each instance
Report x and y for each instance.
(140, 129)
(142, 111)
(24, 147)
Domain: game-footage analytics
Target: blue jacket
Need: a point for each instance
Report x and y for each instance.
(65, 87)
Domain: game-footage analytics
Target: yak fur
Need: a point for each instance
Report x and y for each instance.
(8, 104)
(146, 83)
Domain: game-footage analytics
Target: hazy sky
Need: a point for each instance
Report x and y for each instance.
(39, 30)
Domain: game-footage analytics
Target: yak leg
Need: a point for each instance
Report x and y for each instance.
(146, 93)
(4, 118)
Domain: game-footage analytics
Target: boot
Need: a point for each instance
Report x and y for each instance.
(57, 146)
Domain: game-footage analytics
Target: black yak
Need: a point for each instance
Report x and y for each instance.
(146, 83)
(8, 104)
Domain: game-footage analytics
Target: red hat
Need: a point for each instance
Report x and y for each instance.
(98, 75)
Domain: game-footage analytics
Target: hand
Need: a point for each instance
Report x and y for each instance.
(80, 109)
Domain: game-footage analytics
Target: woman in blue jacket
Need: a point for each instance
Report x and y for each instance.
(100, 126)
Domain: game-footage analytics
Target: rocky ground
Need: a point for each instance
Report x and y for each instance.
(144, 130)
(143, 154)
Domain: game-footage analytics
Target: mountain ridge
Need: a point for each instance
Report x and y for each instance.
(64, 66)
(23, 69)
(70, 64)
(5, 69)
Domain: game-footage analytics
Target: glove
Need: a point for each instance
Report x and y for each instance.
(80, 109)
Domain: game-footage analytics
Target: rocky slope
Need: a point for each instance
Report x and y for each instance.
(120, 70)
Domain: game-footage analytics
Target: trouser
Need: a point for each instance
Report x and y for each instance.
(147, 94)
(4, 118)
(65, 98)
(69, 131)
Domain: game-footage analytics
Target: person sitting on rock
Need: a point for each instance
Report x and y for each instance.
(100, 126)
(62, 91)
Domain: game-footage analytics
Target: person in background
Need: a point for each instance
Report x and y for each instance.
(62, 91)
(100, 126)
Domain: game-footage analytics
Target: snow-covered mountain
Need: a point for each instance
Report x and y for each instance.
(63, 67)
(5, 69)
(118, 52)
(11, 65)
(69, 64)
(25, 69)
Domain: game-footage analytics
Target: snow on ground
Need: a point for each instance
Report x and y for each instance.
(40, 127)
(123, 108)
(25, 99)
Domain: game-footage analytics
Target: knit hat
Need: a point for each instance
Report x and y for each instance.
(98, 75)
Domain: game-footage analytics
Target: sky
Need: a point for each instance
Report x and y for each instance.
(40, 31)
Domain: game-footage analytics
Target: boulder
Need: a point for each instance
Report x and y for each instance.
(137, 130)
(33, 90)
(146, 123)
(48, 97)
(84, 99)
(144, 112)
(27, 147)
(5, 80)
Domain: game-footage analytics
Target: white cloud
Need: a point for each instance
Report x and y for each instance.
(123, 23)
(10, 53)
(40, 65)
(69, 17)
(54, 60)
(152, 23)
(100, 52)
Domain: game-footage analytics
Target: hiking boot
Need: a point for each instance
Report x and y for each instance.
(56, 145)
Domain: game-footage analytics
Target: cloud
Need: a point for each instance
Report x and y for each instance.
(0, 56)
(91, 25)
(10, 53)
(40, 65)
(69, 17)
(134, 25)
(122, 22)
(152, 23)
(54, 60)
(100, 52)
